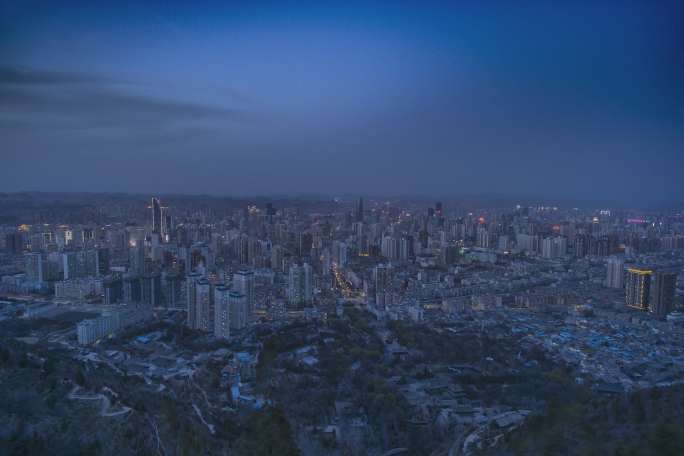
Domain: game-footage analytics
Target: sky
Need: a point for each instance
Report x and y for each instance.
(575, 99)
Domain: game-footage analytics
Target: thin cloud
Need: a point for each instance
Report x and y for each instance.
(29, 76)
(64, 100)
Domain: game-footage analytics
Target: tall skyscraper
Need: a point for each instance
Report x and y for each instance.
(237, 303)
(482, 236)
(191, 291)
(102, 261)
(156, 216)
(438, 209)
(381, 282)
(359, 210)
(222, 312)
(637, 288)
(243, 283)
(615, 272)
(662, 297)
(151, 289)
(300, 286)
(204, 306)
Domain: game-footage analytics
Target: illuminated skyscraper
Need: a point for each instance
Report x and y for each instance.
(637, 288)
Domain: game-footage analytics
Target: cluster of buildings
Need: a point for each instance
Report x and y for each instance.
(229, 268)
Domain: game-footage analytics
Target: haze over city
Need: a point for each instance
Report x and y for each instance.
(354, 228)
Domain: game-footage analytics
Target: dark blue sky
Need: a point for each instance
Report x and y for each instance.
(562, 99)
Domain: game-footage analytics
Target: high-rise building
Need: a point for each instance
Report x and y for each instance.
(615, 272)
(527, 242)
(156, 216)
(637, 288)
(554, 247)
(151, 289)
(390, 247)
(359, 210)
(14, 242)
(204, 307)
(243, 283)
(482, 236)
(406, 248)
(581, 245)
(137, 258)
(102, 261)
(662, 293)
(277, 255)
(222, 312)
(173, 294)
(34, 267)
(191, 292)
(300, 286)
(381, 282)
(237, 303)
(113, 290)
(74, 264)
(132, 290)
(340, 253)
(503, 244)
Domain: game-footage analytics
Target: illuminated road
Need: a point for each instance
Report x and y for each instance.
(342, 283)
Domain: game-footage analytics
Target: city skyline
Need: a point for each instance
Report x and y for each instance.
(326, 228)
(567, 100)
